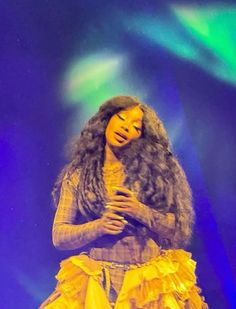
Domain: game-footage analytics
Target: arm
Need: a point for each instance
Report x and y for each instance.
(68, 236)
(173, 228)
(65, 234)
(157, 222)
(162, 224)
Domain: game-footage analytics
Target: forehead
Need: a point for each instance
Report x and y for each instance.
(134, 112)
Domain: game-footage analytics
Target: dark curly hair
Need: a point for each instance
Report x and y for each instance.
(150, 167)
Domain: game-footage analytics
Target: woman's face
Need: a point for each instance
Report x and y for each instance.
(124, 126)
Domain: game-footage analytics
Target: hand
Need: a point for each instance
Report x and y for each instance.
(124, 201)
(111, 223)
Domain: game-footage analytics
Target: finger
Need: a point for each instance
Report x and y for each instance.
(113, 227)
(119, 209)
(121, 204)
(123, 190)
(116, 223)
(113, 232)
(112, 210)
(108, 207)
(119, 198)
(112, 215)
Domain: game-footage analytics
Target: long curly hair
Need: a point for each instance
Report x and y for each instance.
(151, 170)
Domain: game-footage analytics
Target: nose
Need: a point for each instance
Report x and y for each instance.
(125, 127)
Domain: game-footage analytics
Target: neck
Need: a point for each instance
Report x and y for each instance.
(110, 157)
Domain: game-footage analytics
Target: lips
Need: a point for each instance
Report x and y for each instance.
(121, 135)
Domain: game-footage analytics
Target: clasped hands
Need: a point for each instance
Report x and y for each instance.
(122, 202)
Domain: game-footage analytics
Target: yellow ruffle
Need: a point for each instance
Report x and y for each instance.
(167, 281)
(79, 285)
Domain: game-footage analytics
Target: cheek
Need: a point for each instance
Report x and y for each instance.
(107, 132)
(136, 134)
(109, 128)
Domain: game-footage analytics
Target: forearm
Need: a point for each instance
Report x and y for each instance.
(162, 224)
(70, 236)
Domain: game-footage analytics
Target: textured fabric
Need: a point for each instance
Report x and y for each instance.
(165, 282)
(128, 249)
(67, 235)
(121, 248)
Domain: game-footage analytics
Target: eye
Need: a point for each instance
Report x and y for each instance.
(137, 129)
(119, 116)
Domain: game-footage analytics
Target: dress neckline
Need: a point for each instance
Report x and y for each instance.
(114, 167)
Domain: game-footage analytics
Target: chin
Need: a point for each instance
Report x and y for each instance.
(119, 145)
(116, 145)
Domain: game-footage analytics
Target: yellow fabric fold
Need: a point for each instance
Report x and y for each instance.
(79, 285)
(96, 297)
(165, 282)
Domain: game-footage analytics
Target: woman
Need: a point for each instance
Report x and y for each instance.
(125, 206)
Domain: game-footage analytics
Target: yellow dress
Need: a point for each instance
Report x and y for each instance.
(153, 279)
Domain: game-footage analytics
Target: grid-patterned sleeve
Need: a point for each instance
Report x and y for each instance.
(67, 235)
(162, 224)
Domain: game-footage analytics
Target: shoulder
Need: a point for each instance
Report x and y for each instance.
(72, 178)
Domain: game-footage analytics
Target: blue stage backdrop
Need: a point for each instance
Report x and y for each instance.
(59, 61)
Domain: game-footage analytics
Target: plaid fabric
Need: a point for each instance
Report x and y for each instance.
(67, 235)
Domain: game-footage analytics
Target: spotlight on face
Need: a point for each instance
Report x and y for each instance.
(124, 126)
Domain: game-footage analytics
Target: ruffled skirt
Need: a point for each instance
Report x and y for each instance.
(167, 281)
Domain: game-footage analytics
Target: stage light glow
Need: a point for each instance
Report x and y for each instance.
(214, 28)
(202, 35)
(91, 73)
(93, 79)
(162, 31)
